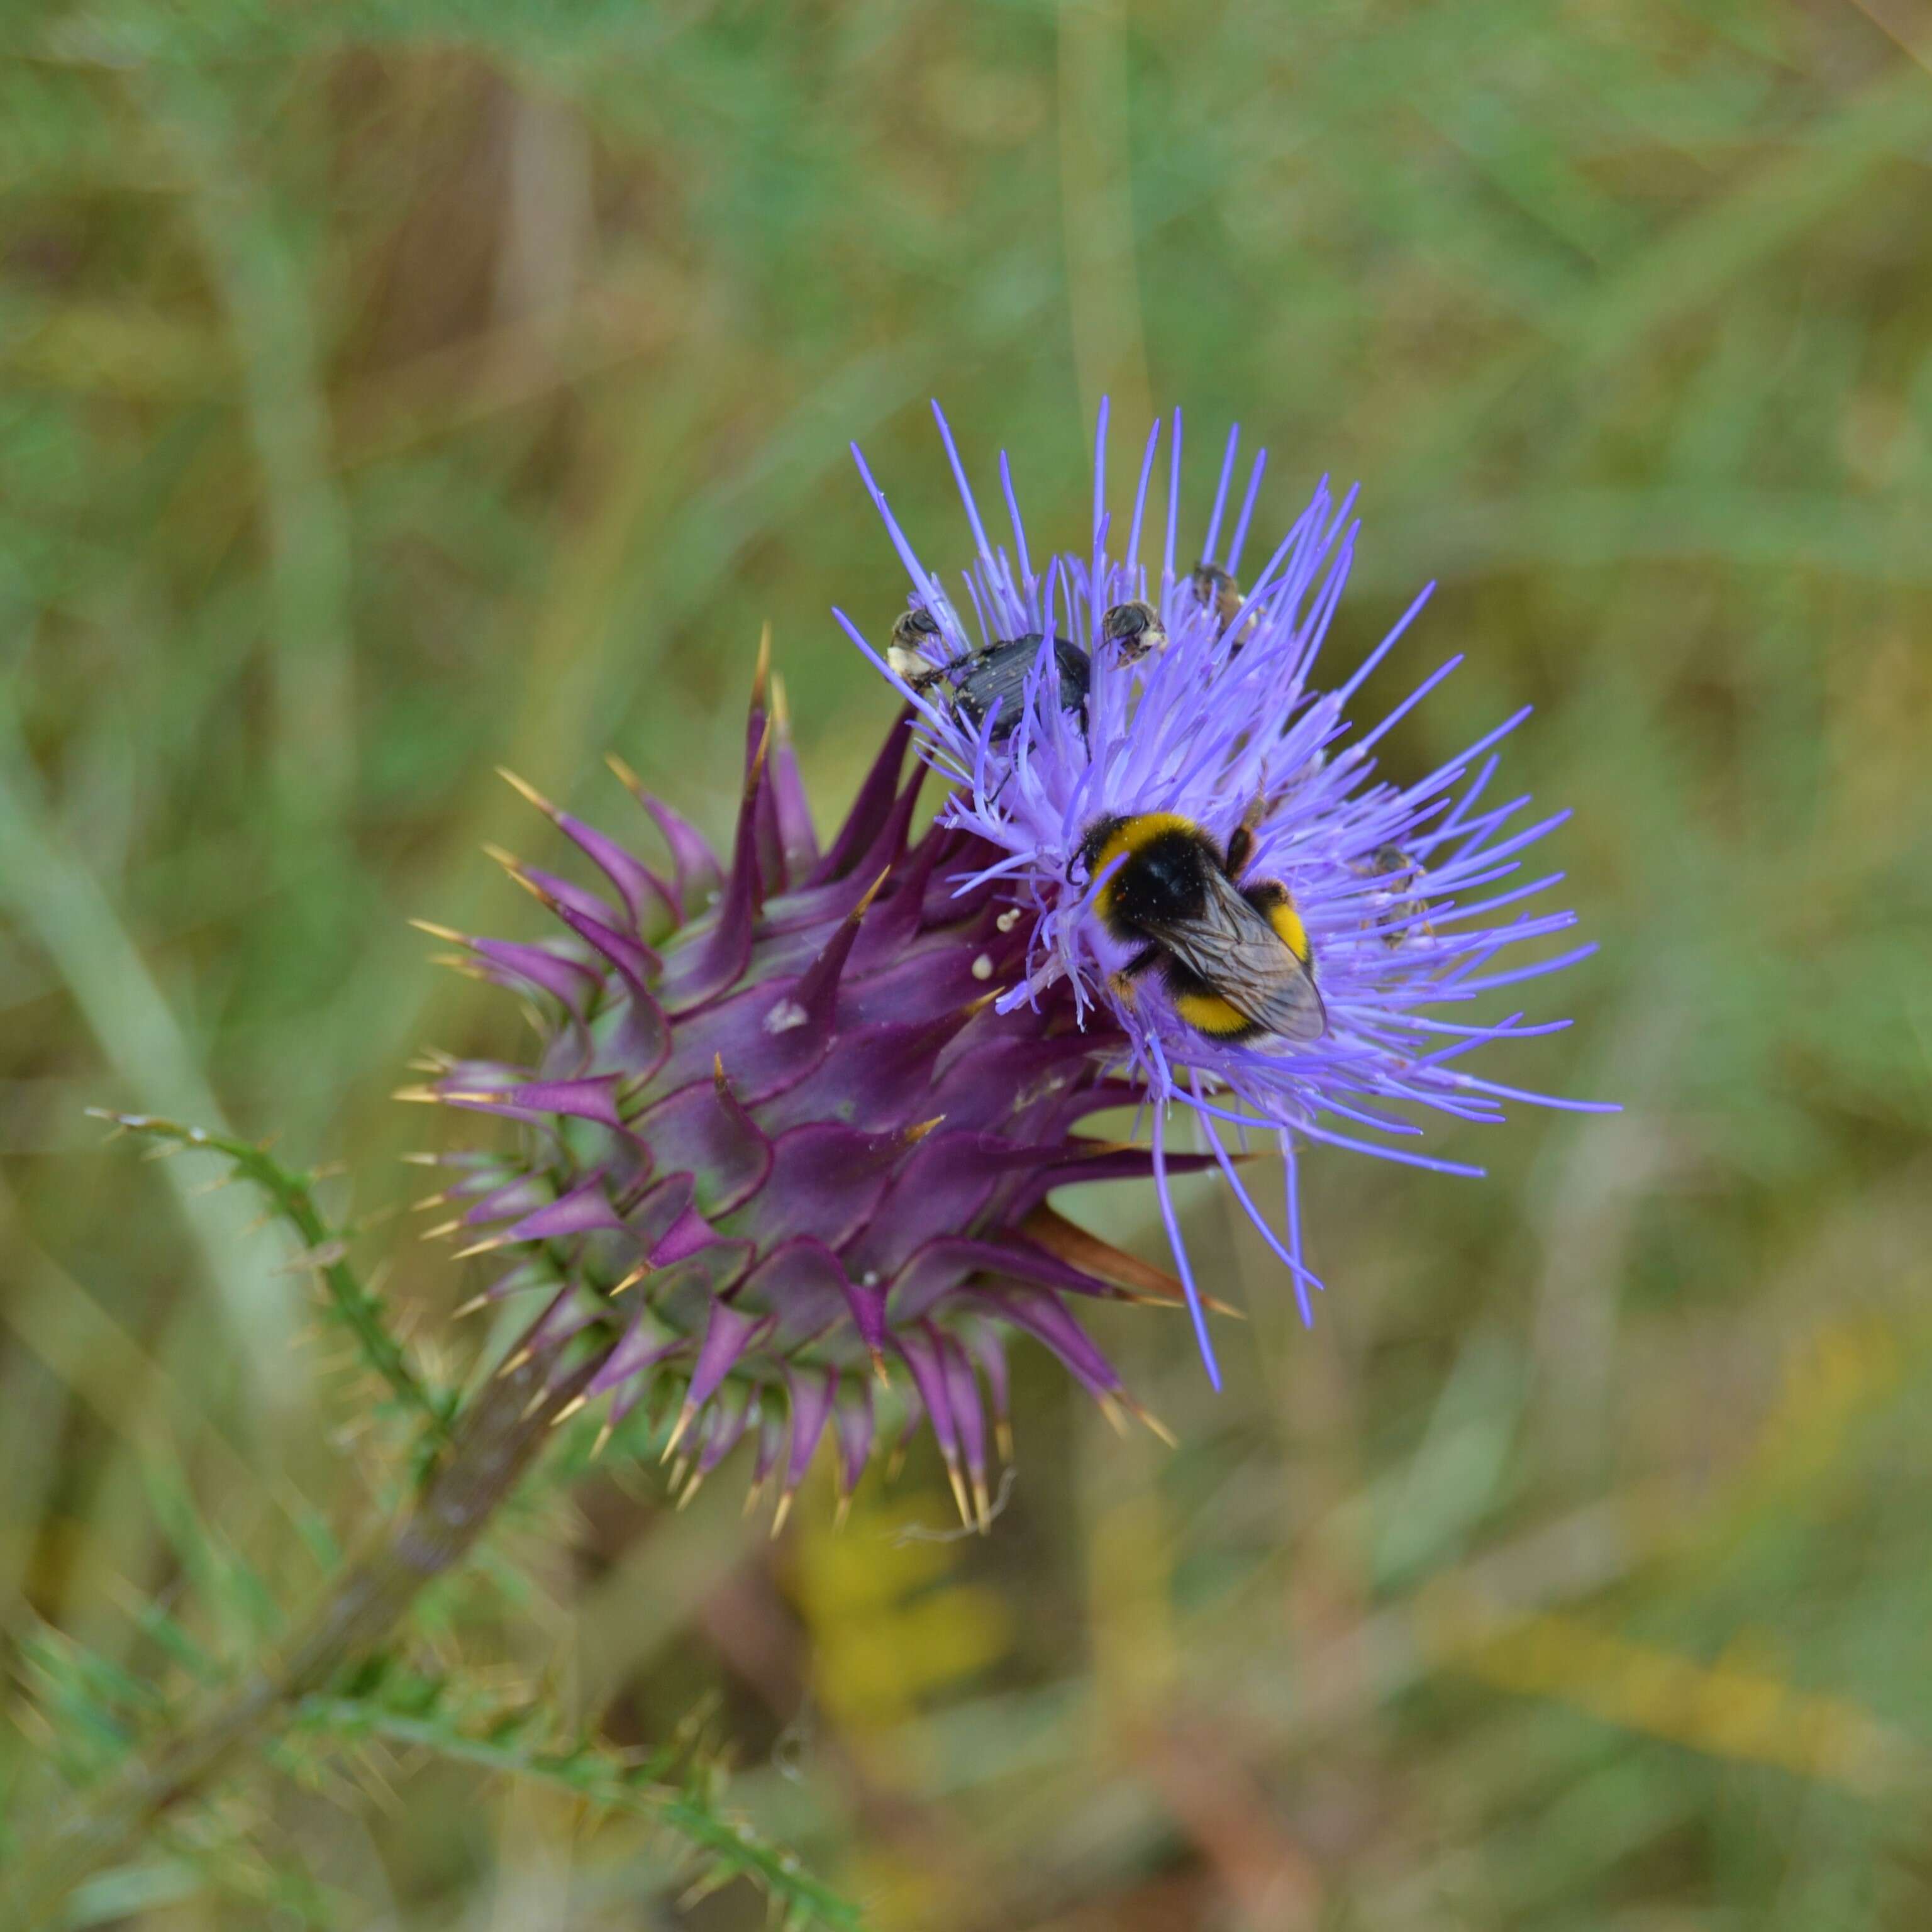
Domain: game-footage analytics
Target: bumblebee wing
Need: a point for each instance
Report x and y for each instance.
(1242, 957)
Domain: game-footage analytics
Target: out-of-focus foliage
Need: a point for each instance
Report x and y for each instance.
(390, 390)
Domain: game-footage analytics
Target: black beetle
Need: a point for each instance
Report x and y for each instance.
(997, 674)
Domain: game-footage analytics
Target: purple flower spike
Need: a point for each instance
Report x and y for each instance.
(785, 1154)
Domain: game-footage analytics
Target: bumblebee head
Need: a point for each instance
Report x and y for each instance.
(1146, 858)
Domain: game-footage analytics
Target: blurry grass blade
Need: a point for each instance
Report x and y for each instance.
(1691, 264)
(1096, 207)
(263, 286)
(126, 1388)
(49, 889)
(149, 1885)
(1453, 1476)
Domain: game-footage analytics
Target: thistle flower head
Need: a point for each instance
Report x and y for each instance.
(1220, 724)
(796, 1115)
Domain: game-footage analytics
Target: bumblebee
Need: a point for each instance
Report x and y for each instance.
(1133, 629)
(996, 674)
(1235, 957)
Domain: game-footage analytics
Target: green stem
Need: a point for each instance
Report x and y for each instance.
(494, 1442)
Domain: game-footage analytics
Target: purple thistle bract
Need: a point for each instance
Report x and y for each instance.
(797, 1119)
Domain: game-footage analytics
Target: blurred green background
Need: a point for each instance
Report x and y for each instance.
(389, 390)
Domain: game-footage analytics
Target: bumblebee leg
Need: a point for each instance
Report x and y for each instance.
(1122, 983)
(1241, 840)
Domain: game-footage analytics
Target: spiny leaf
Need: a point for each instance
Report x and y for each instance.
(221, 1578)
(159, 1626)
(89, 1711)
(324, 1251)
(467, 1725)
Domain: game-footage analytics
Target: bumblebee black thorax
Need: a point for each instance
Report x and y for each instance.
(1163, 878)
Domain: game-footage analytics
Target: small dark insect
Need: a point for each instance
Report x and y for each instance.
(1218, 592)
(1134, 629)
(1235, 958)
(1401, 910)
(997, 674)
(916, 634)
